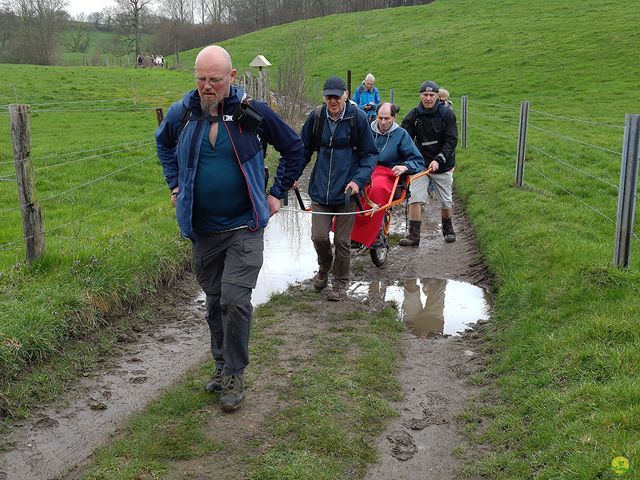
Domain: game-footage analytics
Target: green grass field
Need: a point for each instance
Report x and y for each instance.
(100, 43)
(566, 347)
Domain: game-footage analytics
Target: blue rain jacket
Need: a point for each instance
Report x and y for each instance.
(337, 163)
(179, 148)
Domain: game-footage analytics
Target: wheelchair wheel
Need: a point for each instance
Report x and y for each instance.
(379, 255)
(380, 247)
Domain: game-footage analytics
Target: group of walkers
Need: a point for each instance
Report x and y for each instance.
(211, 145)
(150, 61)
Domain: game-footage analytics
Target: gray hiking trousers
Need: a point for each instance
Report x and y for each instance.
(226, 266)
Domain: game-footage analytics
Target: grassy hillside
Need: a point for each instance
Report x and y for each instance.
(100, 43)
(566, 348)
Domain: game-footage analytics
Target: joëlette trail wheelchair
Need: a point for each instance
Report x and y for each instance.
(379, 249)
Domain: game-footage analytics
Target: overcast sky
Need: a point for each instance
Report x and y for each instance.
(87, 6)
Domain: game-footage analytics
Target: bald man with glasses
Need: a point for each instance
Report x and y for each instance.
(210, 145)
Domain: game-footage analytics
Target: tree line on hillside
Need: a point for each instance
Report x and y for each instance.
(34, 31)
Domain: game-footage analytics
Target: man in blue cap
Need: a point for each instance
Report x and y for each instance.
(347, 154)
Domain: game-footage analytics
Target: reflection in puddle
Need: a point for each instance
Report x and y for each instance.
(432, 306)
(289, 255)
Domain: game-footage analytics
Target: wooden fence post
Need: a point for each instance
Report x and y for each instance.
(628, 189)
(31, 212)
(349, 83)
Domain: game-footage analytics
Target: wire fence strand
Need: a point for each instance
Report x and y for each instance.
(593, 209)
(492, 133)
(555, 134)
(493, 118)
(85, 110)
(498, 105)
(91, 182)
(578, 120)
(590, 175)
(13, 245)
(499, 152)
(37, 159)
(100, 155)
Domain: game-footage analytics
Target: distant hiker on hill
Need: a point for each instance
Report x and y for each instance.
(367, 97)
(433, 127)
(211, 151)
(341, 135)
(443, 95)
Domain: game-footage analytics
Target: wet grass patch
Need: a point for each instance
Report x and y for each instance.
(335, 396)
(338, 405)
(170, 429)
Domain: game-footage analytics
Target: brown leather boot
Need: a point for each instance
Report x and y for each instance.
(320, 280)
(447, 231)
(413, 239)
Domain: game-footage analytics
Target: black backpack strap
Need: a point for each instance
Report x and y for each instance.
(183, 121)
(318, 125)
(354, 134)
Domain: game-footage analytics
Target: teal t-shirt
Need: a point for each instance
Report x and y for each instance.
(221, 197)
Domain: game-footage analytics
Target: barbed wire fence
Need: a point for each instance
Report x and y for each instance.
(533, 138)
(97, 168)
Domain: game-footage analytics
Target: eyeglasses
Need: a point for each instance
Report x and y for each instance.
(333, 97)
(212, 81)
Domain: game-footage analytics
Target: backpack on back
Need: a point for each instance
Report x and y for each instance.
(319, 116)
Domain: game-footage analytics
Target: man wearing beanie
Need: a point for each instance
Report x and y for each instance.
(432, 125)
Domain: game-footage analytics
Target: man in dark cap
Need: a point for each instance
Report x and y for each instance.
(432, 125)
(346, 155)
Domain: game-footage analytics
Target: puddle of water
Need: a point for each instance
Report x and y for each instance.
(289, 255)
(430, 306)
(433, 306)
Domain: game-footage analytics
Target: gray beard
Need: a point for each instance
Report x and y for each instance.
(209, 106)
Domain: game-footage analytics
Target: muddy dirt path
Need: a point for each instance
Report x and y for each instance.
(417, 444)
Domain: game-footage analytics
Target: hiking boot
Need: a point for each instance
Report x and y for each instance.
(215, 384)
(232, 393)
(447, 231)
(413, 239)
(336, 294)
(320, 280)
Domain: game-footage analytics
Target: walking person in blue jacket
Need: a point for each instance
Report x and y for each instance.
(341, 135)
(211, 151)
(367, 97)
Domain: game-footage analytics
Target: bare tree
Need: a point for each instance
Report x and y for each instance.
(291, 87)
(8, 29)
(78, 38)
(38, 24)
(131, 15)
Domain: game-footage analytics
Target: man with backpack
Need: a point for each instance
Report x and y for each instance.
(210, 145)
(432, 125)
(346, 155)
